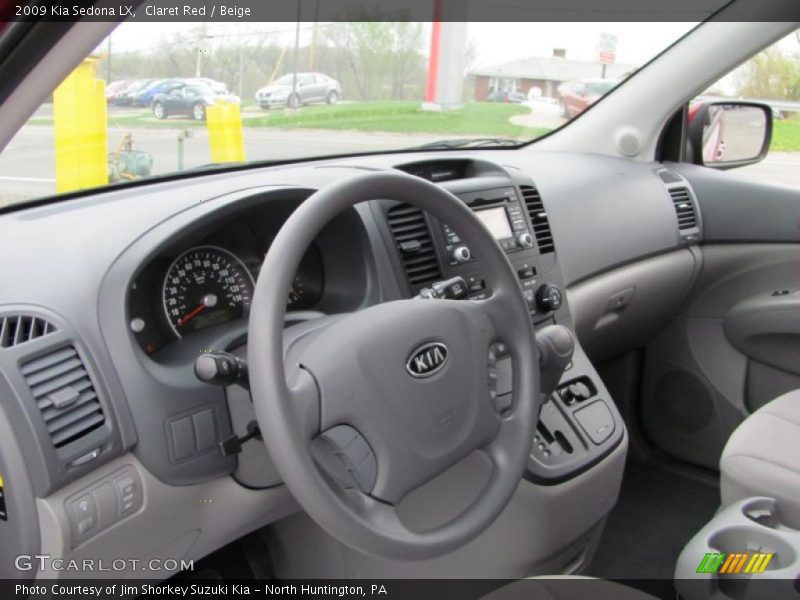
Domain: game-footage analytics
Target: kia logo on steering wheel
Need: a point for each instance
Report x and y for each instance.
(427, 360)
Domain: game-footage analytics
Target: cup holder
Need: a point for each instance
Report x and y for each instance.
(762, 511)
(733, 540)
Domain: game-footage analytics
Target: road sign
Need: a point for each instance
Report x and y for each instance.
(607, 58)
(607, 48)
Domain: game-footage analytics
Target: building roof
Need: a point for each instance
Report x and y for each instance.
(553, 68)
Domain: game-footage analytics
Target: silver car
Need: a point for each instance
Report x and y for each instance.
(310, 87)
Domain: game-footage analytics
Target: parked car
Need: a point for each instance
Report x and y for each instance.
(114, 88)
(311, 87)
(218, 87)
(504, 96)
(187, 100)
(145, 96)
(125, 97)
(576, 96)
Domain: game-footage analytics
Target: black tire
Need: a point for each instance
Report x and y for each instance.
(199, 112)
(159, 110)
(293, 101)
(332, 97)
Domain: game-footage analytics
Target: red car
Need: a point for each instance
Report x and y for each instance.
(576, 96)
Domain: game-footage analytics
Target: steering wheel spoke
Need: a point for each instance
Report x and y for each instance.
(305, 402)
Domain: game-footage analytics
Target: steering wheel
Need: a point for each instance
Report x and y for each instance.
(358, 410)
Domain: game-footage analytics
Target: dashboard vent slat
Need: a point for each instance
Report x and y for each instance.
(541, 224)
(64, 394)
(684, 207)
(18, 329)
(414, 243)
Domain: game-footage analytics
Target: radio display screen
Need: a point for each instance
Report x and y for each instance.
(496, 221)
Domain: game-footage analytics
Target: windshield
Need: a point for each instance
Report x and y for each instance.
(278, 91)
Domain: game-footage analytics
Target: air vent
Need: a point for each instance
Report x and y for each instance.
(684, 208)
(541, 226)
(413, 239)
(64, 394)
(668, 176)
(18, 329)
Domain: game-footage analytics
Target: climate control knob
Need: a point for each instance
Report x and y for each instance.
(461, 254)
(549, 297)
(525, 240)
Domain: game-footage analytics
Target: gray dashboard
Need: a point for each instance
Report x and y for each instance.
(75, 262)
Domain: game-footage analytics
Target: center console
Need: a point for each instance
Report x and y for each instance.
(744, 553)
(579, 423)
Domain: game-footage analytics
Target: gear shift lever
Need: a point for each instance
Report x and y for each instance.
(556, 344)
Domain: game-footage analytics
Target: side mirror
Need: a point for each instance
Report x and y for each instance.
(726, 135)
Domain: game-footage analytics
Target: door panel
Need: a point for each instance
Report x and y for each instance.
(722, 357)
(700, 381)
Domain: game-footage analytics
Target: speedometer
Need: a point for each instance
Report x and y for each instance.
(205, 286)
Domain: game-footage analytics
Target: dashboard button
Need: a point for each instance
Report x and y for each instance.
(182, 438)
(84, 512)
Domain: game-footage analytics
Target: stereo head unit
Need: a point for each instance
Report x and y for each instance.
(501, 213)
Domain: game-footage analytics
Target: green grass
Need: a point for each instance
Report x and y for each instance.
(481, 118)
(786, 135)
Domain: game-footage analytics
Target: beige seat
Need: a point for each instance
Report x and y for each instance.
(762, 458)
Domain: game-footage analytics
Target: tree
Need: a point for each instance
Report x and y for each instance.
(771, 74)
(375, 60)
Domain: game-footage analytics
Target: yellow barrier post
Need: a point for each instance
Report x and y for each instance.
(81, 129)
(225, 138)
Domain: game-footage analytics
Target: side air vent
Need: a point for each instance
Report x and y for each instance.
(668, 176)
(684, 208)
(18, 329)
(541, 226)
(413, 239)
(64, 394)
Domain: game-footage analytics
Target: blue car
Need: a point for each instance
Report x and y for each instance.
(160, 86)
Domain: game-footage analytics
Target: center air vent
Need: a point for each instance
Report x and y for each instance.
(413, 239)
(684, 207)
(18, 329)
(64, 394)
(541, 225)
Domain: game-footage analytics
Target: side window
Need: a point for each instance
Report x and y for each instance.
(771, 77)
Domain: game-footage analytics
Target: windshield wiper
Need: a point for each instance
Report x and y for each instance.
(468, 143)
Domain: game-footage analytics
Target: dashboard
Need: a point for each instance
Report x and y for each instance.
(171, 273)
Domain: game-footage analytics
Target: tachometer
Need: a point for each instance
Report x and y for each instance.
(205, 286)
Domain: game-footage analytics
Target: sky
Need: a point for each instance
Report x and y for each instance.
(636, 42)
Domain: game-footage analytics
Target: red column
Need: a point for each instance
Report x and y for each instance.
(433, 59)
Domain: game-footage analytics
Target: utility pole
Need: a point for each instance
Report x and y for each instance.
(296, 50)
(199, 64)
(312, 51)
(313, 47)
